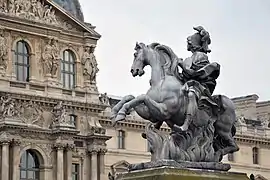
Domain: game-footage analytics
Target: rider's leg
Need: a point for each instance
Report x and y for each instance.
(192, 108)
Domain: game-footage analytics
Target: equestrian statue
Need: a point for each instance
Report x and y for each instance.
(202, 124)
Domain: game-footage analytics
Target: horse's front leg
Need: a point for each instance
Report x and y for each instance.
(119, 105)
(159, 110)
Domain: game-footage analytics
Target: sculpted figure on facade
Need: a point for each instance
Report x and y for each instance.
(3, 51)
(104, 99)
(60, 114)
(3, 6)
(89, 63)
(202, 124)
(8, 107)
(51, 58)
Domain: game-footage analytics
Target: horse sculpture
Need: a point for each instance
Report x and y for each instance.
(207, 138)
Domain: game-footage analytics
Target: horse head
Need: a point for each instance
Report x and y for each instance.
(140, 59)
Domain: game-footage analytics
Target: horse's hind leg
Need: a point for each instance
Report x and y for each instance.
(230, 147)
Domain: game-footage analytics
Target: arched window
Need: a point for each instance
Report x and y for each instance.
(68, 69)
(255, 153)
(29, 166)
(21, 61)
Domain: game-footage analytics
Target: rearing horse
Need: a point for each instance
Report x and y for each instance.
(166, 100)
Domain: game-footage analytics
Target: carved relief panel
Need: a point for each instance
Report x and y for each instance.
(35, 10)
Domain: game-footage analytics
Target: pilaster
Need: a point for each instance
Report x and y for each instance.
(5, 159)
(94, 164)
(15, 159)
(60, 161)
(69, 150)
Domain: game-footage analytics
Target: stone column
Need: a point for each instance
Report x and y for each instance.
(60, 161)
(69, 148)
(102, 161)
(86, 167)
(94, 165)
(16, 160)
(5, 160)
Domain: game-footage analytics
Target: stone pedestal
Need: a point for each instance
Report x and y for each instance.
(171, 173)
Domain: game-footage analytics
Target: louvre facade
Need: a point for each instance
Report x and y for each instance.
(54, 123)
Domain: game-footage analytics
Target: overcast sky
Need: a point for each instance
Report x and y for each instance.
(240, 32)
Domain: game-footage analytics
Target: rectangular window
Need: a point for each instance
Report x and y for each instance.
(75, 171)
(121, 139)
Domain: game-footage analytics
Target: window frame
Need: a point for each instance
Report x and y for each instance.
(24, 54)
(121, 139)
(71, 61)
(76, 173)
(255, 155)
(26, 169)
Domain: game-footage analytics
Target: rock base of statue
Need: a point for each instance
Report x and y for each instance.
(171, 173)
(216, 166)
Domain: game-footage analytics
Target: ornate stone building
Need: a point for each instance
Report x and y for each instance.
(52, 120)
(50, 106)
(253, 137)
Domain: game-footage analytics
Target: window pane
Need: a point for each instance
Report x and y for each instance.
(20, 73)
(31, 162)
(66, 67)
(20, 59)
(71, 57)
(25, 74)
(25, 50)
(23, 174)
(23, 160)
(62, 77)
(71, 68)
(30, 175)
(20, 47)
(66, 80)
(73, 168)
(25, 59)
(66, 56)
(71, 81)
(74, 177)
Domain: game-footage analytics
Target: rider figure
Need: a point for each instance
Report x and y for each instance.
(199, 75)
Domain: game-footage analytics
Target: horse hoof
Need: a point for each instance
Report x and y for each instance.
(120, 117)
(113, 122)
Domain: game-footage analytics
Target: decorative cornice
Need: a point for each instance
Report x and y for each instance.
(59, 146)
(49, 101)
(5, 142)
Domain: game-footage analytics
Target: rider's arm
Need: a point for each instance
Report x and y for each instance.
(185, 67)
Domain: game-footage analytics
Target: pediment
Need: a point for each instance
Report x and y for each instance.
(45, 12)
(119, 167)
(121, 164)
(260, 177)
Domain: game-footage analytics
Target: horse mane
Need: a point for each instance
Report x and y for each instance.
(171, 60)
